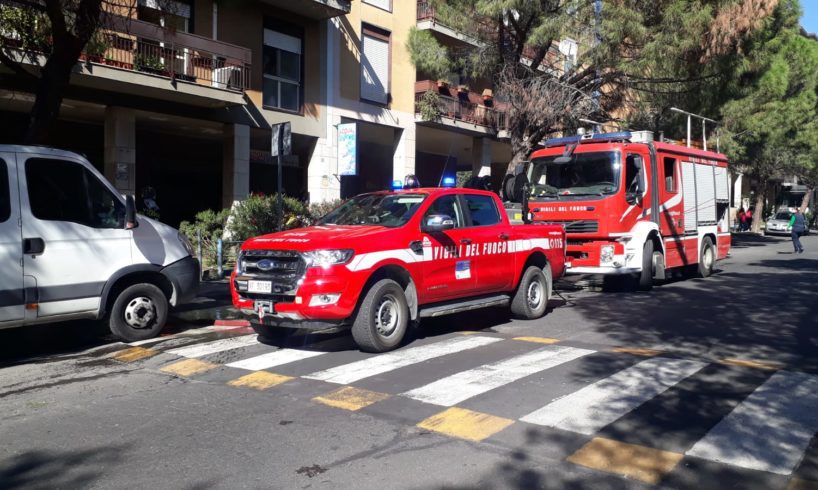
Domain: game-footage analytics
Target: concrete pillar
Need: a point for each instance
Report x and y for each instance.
(235, 164)
(481, 156)
(120, 148)
(404, 160)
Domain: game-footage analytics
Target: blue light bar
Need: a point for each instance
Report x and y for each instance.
(397, 185)
(594, 138)
(449, 181)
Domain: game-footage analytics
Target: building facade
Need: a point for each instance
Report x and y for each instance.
(177, 99)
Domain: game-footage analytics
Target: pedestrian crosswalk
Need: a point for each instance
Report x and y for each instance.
(771, 430)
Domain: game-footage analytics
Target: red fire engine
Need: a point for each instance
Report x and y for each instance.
(631, 206)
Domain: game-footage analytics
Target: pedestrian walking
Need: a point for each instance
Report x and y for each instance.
(798, 224)
(742, 219)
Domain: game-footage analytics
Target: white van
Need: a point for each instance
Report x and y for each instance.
(71, 248)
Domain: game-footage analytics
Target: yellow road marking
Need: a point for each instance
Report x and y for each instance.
(538, 340)
(468, 332)
(260, 380)
(134, 354)
(637, 351)
(351, 398)
(752, 364)
(638, 462)
(799, 484)
(189, 367)
(465, 424)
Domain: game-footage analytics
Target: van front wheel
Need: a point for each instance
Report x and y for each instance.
(138, 313)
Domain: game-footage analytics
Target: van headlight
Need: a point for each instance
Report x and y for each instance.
(326, 258)
(606, 254)
(185, 243)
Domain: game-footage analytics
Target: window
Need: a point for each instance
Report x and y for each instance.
(482, 210)
(568, 50)
(171, 14)
(282, 66)
(375, 65)
(447, 205)
(65, 191)
(670, 175)
(5, 193)
(381, 4)
(632, 166)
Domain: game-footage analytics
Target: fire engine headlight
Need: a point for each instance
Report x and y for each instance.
(326, 258)
(606, 254)
(324, 299)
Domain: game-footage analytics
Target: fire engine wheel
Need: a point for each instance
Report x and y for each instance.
(382, 318)
(646, 276)
(533, 293)
(138, 313)
(707, 258)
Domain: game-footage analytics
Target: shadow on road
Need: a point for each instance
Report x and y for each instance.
(75, 469)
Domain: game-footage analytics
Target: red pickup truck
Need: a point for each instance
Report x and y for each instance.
(384, 259)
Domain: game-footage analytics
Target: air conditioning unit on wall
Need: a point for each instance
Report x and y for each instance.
(229, 77)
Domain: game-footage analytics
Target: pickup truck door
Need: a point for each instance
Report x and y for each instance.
(446, 274)
(493, 263)
(11, 272)
(74, 237)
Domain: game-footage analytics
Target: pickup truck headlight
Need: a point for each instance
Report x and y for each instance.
(326, 258)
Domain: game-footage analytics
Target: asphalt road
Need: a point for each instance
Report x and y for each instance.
(705, 383)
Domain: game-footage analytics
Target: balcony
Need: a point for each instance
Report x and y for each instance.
(427, 19)
(463, 111)
(313, 9)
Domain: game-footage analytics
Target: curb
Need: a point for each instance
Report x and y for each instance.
(232, 323)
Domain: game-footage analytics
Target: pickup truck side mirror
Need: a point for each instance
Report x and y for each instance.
(130, 213)
(437, 222)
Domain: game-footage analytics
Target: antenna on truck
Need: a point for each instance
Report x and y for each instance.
(705, 120)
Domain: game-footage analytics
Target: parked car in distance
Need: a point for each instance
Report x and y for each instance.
(778, 224)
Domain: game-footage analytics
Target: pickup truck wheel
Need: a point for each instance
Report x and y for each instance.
(646, 276)
(533, 293)
(382, 318)
(138, 313)
(707, 258)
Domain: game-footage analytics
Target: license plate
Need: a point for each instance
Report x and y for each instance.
(259, 287)
(263, 307)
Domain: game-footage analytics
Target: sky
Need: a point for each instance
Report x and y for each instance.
(810, 18)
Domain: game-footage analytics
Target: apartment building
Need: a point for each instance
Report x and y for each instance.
(179, 96)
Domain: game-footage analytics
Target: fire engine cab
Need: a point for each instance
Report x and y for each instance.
(631, 206)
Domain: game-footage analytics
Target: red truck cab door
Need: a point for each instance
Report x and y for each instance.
(446, 273)
(489, 250)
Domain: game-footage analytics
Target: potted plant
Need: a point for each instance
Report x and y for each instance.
(150, 64)
(488, 97)
(442, 84)
(429, 106)
(95, 49)
(462, 89)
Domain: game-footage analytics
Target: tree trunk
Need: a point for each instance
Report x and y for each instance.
(520, 150)
(805, 200)
(49, 95)
(758, 211)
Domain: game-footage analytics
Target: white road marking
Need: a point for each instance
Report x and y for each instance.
(467, 384)
(349, 373)
(768, 431)
(201, 350)
(275, 358)
(597, 405)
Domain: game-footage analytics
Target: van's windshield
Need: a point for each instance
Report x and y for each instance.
(590, 173)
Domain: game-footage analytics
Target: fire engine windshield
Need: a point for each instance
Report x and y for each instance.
(390, 210)
(590, 173)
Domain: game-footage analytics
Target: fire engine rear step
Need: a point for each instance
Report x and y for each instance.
(457, 306)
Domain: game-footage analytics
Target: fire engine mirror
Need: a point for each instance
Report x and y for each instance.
(437, 222)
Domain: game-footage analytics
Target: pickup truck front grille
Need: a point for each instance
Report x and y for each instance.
(578, 226)
(283, 268)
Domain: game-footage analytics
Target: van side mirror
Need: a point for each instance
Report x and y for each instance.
(130, 213)
(437, 222)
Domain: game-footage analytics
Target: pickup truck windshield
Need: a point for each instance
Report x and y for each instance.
(389, 210)
(592, 173)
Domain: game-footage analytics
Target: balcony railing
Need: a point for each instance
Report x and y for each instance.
(462, 107)
(478, 26)
(134, 45)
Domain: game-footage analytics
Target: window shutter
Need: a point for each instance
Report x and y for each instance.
(283, 41)
(375, 70)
